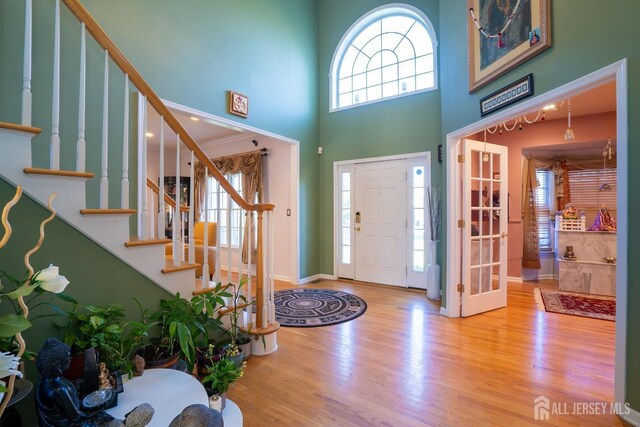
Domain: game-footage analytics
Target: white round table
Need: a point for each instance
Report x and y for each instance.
(169, 391)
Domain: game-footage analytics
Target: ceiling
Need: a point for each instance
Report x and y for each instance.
(601, 99)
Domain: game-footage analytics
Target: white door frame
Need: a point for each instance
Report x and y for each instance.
(336, 194)
(294, 175)
(615, 72)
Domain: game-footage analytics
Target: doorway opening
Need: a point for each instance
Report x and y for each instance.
(380, 215)
(613, 73)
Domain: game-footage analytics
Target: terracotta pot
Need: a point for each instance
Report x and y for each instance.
(169, 362)
(76, 367)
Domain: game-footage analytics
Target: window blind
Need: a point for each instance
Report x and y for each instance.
(585, 186)
(542, 201)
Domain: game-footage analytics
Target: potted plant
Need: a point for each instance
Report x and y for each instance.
(182, 323)
(221, 375)
(239, 341)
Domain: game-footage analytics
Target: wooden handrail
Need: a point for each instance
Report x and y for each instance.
(154, 187)
(123, 63)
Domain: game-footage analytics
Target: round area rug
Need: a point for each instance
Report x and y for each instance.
(303, 308)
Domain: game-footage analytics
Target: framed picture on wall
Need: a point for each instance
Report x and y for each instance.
(503, 34)
(238, 104)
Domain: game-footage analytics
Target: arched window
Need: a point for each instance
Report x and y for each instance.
(389, 52)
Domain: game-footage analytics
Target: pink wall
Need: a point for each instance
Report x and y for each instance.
(586, 128)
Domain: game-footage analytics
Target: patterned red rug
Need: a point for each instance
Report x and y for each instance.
(585, 305)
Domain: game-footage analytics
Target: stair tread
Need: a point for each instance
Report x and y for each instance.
(135, 241)
(21, 128)
(55, 172)
(107, 211)
(200, 290)
(265, 330)
(170, 268)
(227, 310)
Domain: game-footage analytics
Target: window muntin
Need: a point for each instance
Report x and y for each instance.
(237, 217)
(387, 53)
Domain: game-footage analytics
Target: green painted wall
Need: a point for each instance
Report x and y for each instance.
(403, 125)
(95, 275)
(587, 35)
(190, 53)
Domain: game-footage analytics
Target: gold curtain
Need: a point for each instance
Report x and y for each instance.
(249, 165)
(530, 250)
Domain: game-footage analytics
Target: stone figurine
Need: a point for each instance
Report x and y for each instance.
(198, 415)
(57, 400)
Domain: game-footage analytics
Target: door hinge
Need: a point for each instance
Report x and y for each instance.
(461, 223)
(460, 158)
(406, 270)
(460, 287)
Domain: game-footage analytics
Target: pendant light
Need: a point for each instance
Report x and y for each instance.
(485, 155)
(568, 134)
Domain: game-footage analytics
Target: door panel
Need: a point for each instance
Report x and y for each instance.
(484, 248)
(380, 236)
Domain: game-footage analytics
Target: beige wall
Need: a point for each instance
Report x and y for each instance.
(586, 128)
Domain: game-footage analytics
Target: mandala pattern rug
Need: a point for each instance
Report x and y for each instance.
(305, 308)
(585, 305)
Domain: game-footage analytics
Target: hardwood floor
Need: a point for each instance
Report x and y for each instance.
(403, 364)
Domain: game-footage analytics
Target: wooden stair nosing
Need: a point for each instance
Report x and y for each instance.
(200, 290)
(55, 172)
(147, 242)
(265, 330)
(227, 310)
(20, 128)
(107, 211)
(168, 269)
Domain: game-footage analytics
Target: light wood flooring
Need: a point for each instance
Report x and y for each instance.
(403, 364)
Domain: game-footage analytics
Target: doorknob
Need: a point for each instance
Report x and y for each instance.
(356, 228)
(503, 235)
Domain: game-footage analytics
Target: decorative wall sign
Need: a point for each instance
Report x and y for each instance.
(503, 34)
(238, 104)
(507, 95)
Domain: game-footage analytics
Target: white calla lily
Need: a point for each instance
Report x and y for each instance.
(9, 365)
(51, 280)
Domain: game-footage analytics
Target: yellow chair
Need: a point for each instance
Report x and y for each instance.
(198, 237)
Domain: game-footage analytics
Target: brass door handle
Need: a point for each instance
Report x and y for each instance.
(356, 228)
(503, 235)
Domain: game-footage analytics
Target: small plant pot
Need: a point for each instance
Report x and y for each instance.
(216, 400)
(237, 359)
(169, 362)
(245, 349)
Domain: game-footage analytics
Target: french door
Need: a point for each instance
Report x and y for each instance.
(484, 230)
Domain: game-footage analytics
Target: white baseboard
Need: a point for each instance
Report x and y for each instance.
(316, 277)
(237, 270)
(633, 417)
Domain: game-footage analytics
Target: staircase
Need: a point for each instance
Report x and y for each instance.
(138, 243)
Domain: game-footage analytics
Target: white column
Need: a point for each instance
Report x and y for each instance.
(192, 242)
(124, 187)
(55, 103)
(26, 70)
(269, 260)
(104, 180)
(205, 249)
(161, 208)
(178, 251)
(143, 218)
(82, 98)
(229, 261)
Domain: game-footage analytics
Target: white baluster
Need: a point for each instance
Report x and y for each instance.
(205, 249)
(229, 262)
(55, 103)
(143, 219)
(192, 242)
(218, 273)
(26, 70)
(82, 102)
(249, 270)
(124, 187)
(104, 180)
(178, 253)
(161, 209)
(152, 195)
(240, 263)
(269, 260)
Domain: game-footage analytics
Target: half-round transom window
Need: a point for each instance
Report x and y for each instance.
(387, 53)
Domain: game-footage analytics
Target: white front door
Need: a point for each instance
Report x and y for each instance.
(381, 222)
(484, 242)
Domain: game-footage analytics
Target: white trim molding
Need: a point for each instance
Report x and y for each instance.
(615, 72)
(633, 417)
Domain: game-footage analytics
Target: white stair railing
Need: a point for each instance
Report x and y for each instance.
(104, 176)
(82, 103)
(26, 71)
(55, 99)
(124, 187)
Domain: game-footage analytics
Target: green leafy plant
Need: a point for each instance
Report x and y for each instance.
(222, 374)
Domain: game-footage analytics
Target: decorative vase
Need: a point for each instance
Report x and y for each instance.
(433, 273)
